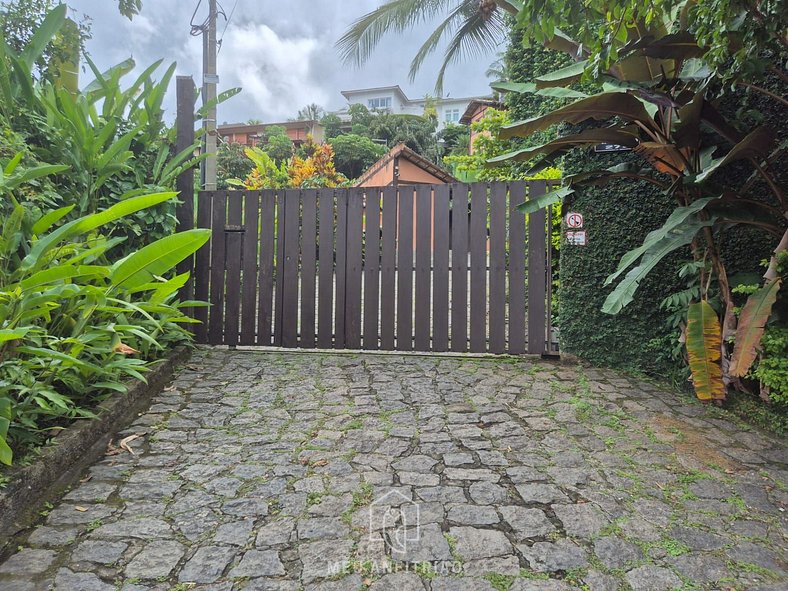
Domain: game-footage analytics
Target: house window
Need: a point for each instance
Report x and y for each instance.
(383, 102)
(452, 115)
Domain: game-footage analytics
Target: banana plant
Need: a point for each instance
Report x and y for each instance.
(655, 100)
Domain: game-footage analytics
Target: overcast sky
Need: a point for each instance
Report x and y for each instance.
(281, 53)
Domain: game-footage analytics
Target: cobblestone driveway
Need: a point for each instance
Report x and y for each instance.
(268, 471)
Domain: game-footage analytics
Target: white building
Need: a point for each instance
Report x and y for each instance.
(393, 100)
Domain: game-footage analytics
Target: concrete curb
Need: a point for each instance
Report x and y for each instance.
(75, 447)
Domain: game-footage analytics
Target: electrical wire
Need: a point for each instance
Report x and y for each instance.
(197, 30)
(227, 24)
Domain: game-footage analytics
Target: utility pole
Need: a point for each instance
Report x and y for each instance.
(210, 80)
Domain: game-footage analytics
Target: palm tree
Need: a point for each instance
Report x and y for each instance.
(474, 27)
(311, 112)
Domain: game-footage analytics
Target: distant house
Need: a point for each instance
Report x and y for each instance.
(250, 134)
(403, 166)
(392, 99)
(475, 111)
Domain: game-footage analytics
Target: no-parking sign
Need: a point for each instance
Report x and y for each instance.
(574, 220)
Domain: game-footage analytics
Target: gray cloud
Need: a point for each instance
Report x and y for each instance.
(281, 53)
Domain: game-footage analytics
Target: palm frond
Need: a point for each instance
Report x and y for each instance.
(476, 36)
(432, 42)
(364, 34)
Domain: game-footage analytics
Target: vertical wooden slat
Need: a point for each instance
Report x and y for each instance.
(216, 318)
(371, 269)
(249, 291)
(202, 264)
(478, 247)
(537, 269)
(423, 267)
(459, 268)
(388, 269)
(308, 267)
(516, 269)
(355, 210)
(498, 268)
(440, 265)
(405, 271)
(234, 241)
(341, 266)
(265, 279)
(325, 335)
(290, 263)
(279, 266)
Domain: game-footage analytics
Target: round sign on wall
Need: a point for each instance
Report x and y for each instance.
(574, 220)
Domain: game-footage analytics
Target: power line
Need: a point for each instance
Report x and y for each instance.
(198, 30)
(227, 23)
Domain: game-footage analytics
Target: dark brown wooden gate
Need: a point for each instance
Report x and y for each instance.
(424, 268)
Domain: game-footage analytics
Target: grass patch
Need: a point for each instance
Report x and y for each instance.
(533, 576)
(499, 582)
(673, 547)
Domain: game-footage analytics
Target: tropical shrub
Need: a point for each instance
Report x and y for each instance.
(114, 140)
(265, 174)
(316, 168)
(656, 101)
(771, 369)
(353, 154)
(231, 163)
(74, 324)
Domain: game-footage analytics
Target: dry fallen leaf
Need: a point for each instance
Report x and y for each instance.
(124, 443)
(320, 462)
(86, 478)
(169, 388)
(111, 449)
(125, 349)
(80, 509)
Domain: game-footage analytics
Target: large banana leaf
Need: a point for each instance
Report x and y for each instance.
(603, 106)
(676, 46)
(678, 218)
(625, 137)
(531, 88)
(623, 170)
(751, 326)
(564, 76)
(756, 144)
(704, 340)
(543, 201)
(157, 258)
(673, 239)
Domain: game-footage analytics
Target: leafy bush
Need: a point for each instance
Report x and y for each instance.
(72, 322)
(772, 368)
(114, 140)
